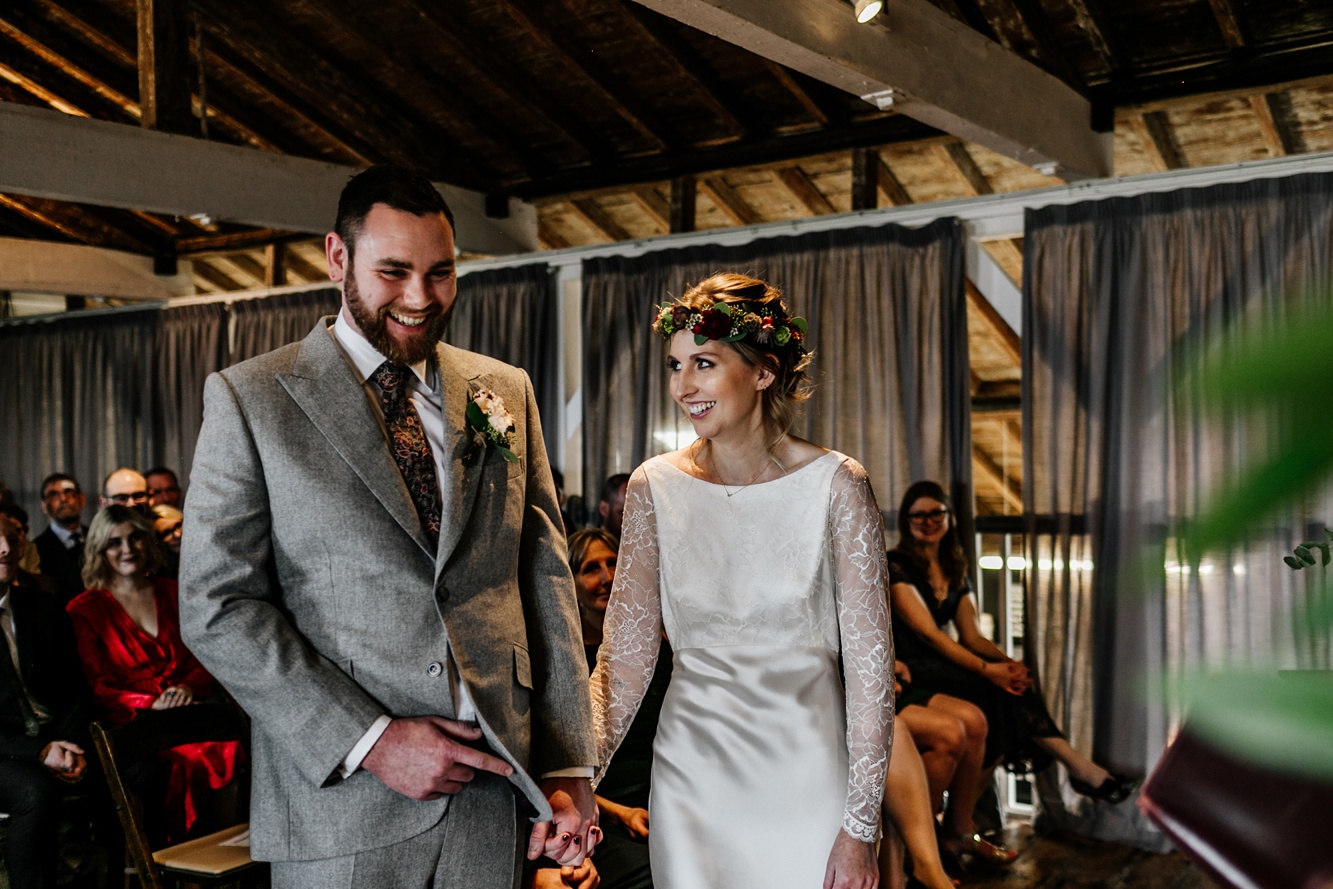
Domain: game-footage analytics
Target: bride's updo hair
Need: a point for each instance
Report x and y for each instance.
(787, 361)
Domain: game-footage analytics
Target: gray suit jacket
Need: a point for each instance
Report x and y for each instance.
(308, 589)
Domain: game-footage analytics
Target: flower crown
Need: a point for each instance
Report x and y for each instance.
(763, 324)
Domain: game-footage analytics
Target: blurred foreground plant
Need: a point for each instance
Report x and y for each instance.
(1283, 722)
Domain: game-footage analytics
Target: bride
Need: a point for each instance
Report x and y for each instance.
(761, 556)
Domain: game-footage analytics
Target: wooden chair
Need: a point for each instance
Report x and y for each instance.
(212, 860)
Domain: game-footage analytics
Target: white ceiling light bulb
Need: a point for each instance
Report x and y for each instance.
(868, 9)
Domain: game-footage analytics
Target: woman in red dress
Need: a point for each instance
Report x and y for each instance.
(128, 631)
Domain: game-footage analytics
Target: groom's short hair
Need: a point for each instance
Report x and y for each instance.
(397, 188)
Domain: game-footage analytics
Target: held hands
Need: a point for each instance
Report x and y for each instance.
(425, 757)
(584, 876)
(851, 864)
(634, 820)
(176, 696)
(1010, 676)
(65, 761)
(573, 832)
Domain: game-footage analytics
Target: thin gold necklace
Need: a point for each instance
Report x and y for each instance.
(726, 490)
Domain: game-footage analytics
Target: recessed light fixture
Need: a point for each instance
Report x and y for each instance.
(868, 9)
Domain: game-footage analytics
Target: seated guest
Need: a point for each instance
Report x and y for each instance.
(44, 716)
(167, 524)
(163, 487)
(928, 591)
(30, 561)
(622, 795)
(60, 546)
(128, 631)
(124, 487)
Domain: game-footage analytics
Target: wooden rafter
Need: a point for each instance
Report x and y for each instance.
(991, 471)
(1229, 23)
(275, 265)
(1274, 123)
(683, 215)
(210, 279)
(529, 15)
(962, 165)
(240, 267)
(43, 42)
(890, 188)
(1155, 131)
(31, 86)
(1000, 330)
(865, 179)
(812, 108)
(270, 47)
(691, 66)
(1028, 17)
(74, 222)
(592, 213)
(804, 190)
(164, 59)
(213, 243)
(551, 240)
(726, 199)
(1092, 18)
(656, 206)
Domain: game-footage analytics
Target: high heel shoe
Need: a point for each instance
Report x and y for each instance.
(1115, 789)
(980, 849)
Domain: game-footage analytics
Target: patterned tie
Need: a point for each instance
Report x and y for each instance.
(411, 451)
(9, 675)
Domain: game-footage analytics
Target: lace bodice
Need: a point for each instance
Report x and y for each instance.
(796, 561)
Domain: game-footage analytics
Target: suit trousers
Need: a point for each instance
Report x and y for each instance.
(31, 795)
(476, 844)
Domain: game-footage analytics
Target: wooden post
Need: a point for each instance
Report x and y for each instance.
(865, 179)
(275, 265)
(164, 66)
(682, 204)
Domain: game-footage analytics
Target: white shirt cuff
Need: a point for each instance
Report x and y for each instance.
(352, 761)
(571, 772)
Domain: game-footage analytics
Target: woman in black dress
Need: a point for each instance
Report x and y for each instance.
(929, 588)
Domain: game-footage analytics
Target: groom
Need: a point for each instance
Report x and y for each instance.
(377, 573)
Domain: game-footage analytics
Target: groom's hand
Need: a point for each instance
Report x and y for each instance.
(570, 836)
(426, 757)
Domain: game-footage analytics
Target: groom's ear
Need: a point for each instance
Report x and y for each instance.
(335, 252)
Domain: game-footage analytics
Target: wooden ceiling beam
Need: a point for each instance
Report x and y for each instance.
(1020, 21)
(164, 66)
(214, 243)
(889, 187)
(219, 280)
(592, 213)
(478, 52)
(999, 328)
(36, 90)
(1228, 22)
(253, 34)
(652, 203)
(964, 168)
(804, 190)
(551, 240)
(991, 471)
(239, 267)
(784, 77)
(865, 179)
(275, 265)
(726, 199)
(1275, 125)
(99, 60)
(1155, 133)
(985, 95)
(684, 216)
(692, 66)
(1092, 18)
(76, 223)
(529, 16)
(307, 271)
(38, 41)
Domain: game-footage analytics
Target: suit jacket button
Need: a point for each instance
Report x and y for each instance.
(435, 669)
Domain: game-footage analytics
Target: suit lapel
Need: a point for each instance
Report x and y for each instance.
(324, 385)
(461, 476)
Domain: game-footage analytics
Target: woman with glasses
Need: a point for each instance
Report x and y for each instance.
(928, 589)
(127, 626)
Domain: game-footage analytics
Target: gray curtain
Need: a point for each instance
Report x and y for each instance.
(888, 329)
(1119, 455)
(264, 324)
(511, 314)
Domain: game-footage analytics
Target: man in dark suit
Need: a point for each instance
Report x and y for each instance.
(373, 565)
(44, 714)
(60, 546)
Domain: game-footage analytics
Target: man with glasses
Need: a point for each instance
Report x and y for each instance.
(163, 487)
(60, 546)
(126, 487)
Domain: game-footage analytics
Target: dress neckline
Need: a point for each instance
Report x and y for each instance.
(772, 481)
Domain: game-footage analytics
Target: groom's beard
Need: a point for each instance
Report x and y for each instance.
(375, 328)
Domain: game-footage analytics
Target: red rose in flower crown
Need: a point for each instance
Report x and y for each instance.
(713, 325)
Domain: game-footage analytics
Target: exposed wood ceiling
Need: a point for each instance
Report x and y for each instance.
(614, 119)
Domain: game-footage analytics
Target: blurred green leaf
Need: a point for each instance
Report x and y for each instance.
(1304, 555)
(1283, 722)
(1286, 361)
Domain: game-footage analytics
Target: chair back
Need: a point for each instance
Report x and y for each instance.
(121, 747)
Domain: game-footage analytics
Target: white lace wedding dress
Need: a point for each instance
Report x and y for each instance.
(758, 761)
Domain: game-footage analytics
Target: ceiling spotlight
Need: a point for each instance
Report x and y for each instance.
(868, 9)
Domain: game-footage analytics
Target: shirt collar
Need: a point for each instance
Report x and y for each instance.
(366, 358)
(62, 532)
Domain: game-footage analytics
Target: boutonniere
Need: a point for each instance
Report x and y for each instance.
(487, 417)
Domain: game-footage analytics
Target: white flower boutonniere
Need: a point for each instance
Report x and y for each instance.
(486, 416)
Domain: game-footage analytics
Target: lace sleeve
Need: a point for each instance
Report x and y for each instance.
(633, 629)
(861, 578)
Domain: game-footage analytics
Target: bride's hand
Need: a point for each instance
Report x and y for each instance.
(851, 864)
